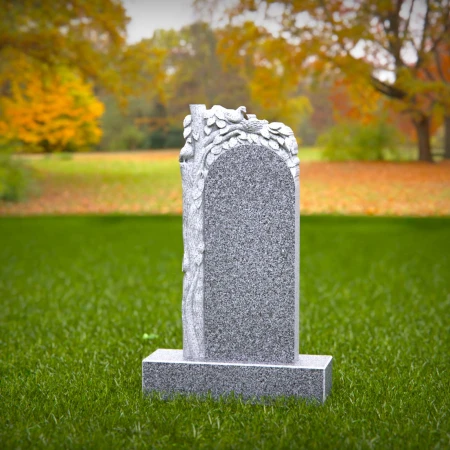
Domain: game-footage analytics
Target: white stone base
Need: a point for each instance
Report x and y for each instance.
(166, 371)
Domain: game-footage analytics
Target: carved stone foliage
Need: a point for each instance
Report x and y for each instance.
(208, 134)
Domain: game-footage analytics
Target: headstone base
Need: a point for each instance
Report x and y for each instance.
(166, 371)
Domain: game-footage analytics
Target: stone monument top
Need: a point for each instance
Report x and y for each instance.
(240, 305)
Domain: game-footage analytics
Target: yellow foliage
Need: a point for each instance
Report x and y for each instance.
(49, 110)
(268, 64)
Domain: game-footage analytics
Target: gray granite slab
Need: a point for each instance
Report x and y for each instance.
(250, 302)
(241, 233)
(166, 371)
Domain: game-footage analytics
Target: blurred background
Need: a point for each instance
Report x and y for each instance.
(93, 95)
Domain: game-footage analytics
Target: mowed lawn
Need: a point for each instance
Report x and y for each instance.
(78, 293)
(150, 183)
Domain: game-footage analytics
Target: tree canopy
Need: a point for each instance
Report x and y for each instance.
(395, 47)
(49, 110)
(80, 34)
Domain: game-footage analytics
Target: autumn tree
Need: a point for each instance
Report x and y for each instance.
(385, 43)
(436, 79)
(190, 72)
(194, 71)
(265, 62)
(49, 110)
(85, 35)
(84, 38)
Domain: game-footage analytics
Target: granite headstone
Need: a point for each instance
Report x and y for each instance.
(240, 304)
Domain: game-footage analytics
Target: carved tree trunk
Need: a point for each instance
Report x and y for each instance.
(447, 137)
(423, 138)
(193, 341)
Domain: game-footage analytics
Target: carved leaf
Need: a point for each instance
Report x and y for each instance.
(218, 139)
(216, 150)
(280, 140)
(196, 136)
(232, 142)
(196, 193)
(187, 132)
(210, 158)
(185, 264)
(210, 121)
(221, 123)
(243, 135)
(275, 125)
(254, 138)
(186, 152)
(207, 130)
(265, 132)
(198, 201)
(274, 144)
(219, 113)
(225, 146)
(264, 141)
(198, 258)
(286, 131)
(284, 155)
(293, 162)
(291, 145)
(187, 121)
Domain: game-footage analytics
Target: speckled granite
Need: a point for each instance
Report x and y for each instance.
(250, 267)
(166, 371)
(241, 236)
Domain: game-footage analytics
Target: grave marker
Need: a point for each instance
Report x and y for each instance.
(240, 305)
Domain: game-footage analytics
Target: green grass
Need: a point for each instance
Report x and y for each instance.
(140, 175)
(145, 173)
(310, 154)
(77, 295)
(108, 181)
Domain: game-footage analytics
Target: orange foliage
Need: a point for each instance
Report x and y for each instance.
(354, 101)
(266, 63)
(85, 35)
(50, 111)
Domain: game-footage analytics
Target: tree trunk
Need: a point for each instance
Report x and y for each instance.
(423, 138)
(447, 137)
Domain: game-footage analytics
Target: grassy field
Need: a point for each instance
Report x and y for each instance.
(78, 293)
(149, 183)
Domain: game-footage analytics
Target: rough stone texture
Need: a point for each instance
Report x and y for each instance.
(250, 259)
(168, 372)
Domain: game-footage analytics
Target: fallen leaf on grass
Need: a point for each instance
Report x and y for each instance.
(150, 337)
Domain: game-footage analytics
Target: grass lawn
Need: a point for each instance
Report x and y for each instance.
(78, 293)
